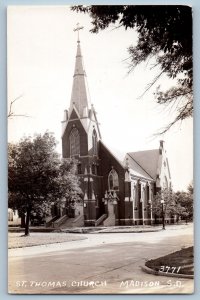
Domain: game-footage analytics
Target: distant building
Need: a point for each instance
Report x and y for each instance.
(115, 192)
(13, 215)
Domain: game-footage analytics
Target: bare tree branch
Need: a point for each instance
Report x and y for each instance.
(152, 83)
(183, 111)
(11, 114)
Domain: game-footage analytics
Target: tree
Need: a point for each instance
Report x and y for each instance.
(164, 204)
(184, 201)
(165, 33)
(190, 189)
(37, 177)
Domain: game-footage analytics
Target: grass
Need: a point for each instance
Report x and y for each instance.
(18, 240)
(183, 258)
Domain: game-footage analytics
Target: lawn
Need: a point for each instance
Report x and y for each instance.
(17, 240)
(180, 262)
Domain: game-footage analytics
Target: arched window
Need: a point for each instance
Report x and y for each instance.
(94, 142)
(113, 180)
(74, 142)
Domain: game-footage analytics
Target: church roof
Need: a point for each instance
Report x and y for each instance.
(147, 160)
(135, 168)
(79, 97)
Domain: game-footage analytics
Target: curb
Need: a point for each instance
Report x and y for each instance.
(139, 231)
(83, 231)
(160, 273)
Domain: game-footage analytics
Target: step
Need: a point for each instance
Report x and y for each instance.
(73, 222)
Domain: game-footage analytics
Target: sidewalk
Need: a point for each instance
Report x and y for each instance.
(123, 229)
(94, 240)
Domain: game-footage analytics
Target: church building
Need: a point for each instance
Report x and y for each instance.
(115, 192)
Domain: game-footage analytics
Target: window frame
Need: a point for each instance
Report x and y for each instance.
(115, 178)
(74, 142)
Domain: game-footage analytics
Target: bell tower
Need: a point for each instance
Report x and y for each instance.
(80, 139)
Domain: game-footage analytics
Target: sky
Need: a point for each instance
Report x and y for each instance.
(41, 57)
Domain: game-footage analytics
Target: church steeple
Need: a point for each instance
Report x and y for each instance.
(80, 127)
(79, 97)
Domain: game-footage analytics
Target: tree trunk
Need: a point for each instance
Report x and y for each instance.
(163, 220)
(22, 220)
(27, 232)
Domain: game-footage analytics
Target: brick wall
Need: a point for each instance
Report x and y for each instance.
(107, 162)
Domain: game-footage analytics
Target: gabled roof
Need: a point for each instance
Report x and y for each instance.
(135, 168)
(147, 160)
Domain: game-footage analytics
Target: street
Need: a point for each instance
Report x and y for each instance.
(103, 263)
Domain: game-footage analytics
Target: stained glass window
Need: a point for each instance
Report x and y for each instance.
(113, 180)
(74, 142)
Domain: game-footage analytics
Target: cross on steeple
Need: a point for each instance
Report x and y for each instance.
(78, 28)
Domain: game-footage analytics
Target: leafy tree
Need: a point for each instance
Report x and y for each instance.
(184, 201)
(37, 177)
(191, 189)
(164, 204)
(165, 33)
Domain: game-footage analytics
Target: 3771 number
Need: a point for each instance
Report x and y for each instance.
(168, 269)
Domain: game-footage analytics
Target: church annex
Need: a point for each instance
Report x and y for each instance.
(115, 192)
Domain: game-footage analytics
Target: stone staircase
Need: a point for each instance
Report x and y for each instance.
(59, 222)
(50, 221)
(110, 221)
(73, 222)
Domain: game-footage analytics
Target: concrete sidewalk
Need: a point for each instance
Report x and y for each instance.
(124, 229)
(93, 240)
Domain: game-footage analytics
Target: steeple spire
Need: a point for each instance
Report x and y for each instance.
(78, 28)
(79, 93)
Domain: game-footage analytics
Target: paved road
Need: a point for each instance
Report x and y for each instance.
(104, 263)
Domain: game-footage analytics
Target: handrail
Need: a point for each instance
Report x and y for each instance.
(100, 219)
